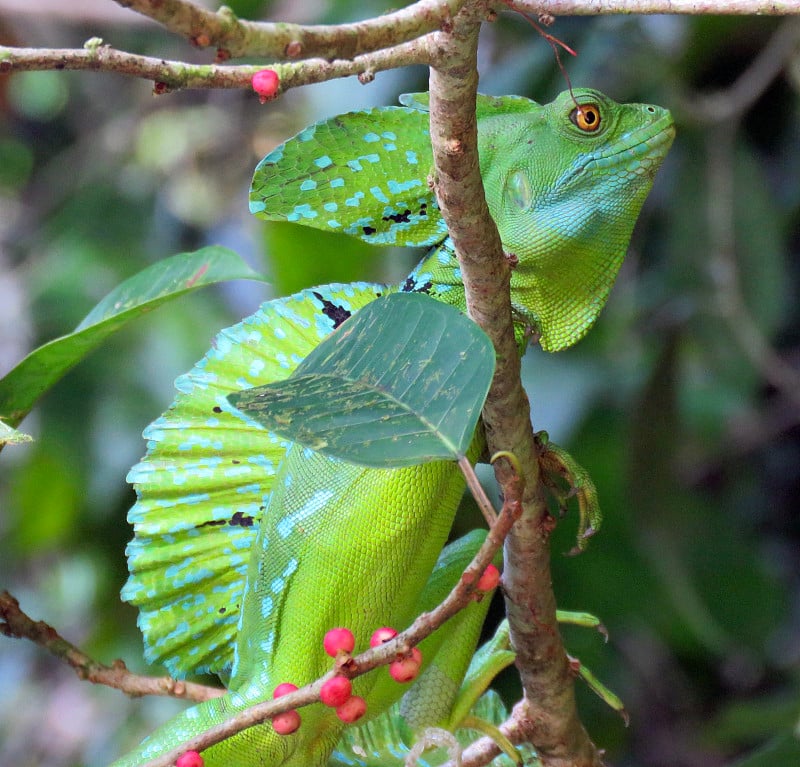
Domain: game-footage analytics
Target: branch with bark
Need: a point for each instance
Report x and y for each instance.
(280, 41)
(17, 624)
(305, 54)
(548, 716)
(175, 75)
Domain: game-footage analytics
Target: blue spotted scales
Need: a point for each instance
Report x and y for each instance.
(248, 548)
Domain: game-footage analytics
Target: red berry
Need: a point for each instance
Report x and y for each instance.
(266, 83)
(284, 689)
(189, 759)
(404, 671)
(286, 723)
(337, 640)
(382, 635)
(352, 709)
(489, 579)
(336, 691)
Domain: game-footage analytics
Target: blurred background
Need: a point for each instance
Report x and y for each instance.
(683, 403)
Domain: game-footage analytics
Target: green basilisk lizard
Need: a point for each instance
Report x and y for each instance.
(248, 548)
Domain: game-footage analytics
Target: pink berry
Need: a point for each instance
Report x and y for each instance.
(189, 759)
(284, 689)
(489, 579)
(403, 671)
(286, 722)
(265, 84)
(352, 709)
(339, 640)
(382, 635)
(336, 691)
(406, 669)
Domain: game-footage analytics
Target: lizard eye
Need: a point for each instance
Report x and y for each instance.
(586, 117)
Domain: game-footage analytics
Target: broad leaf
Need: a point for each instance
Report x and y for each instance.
(168, 279)
(400, 383)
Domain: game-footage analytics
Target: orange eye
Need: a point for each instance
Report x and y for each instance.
(586, 117)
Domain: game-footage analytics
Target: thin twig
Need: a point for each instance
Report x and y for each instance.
(478, 493)
(16, 624)
(689, 7)
(237, 37)
(174, 75)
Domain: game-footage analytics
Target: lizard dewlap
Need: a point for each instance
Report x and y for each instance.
(248, 548)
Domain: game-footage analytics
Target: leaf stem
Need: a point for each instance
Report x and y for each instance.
(478, 493)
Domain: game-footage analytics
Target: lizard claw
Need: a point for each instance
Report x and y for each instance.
(559, 467)
(435, 737)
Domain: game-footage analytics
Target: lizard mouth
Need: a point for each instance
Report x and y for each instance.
(651, 140)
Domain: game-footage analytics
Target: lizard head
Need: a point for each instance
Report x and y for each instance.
(565, 186)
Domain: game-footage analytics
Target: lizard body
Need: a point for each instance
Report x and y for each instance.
(248, 548)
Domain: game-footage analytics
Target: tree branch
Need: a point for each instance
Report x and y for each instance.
(16, 624)
(326, 52)
(173, 75)
(236, 37)
(483, 750)
(688, 7)
(548, 717)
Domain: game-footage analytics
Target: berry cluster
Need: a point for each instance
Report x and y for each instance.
(337, 692)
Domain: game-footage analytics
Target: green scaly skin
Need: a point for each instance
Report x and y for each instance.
(248, 549)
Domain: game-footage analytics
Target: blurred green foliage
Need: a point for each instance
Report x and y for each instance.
(683, 402)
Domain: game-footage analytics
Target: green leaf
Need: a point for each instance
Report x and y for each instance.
(161, 282)
(9, 436)
(400, 383)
